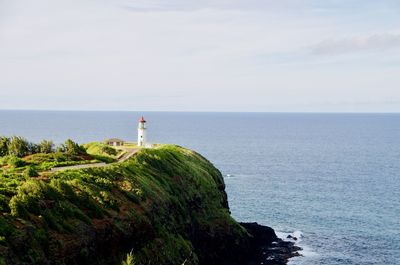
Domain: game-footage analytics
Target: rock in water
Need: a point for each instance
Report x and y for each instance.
(267, 248)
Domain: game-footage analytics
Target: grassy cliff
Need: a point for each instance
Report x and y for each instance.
(167, 205)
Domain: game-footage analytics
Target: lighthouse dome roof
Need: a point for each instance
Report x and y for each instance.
(142, 119)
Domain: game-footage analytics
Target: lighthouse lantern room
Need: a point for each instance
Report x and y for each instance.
(142, 132)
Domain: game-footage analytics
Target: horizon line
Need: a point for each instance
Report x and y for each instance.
(208, 111)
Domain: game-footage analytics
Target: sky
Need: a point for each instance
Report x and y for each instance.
(203, 55)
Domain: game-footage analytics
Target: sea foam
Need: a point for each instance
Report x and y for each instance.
(306, 250)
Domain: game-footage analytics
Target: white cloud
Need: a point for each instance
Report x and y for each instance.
(184, 5)
(358, 44)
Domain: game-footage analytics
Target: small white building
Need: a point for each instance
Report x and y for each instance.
(142, 137)
(115, 142)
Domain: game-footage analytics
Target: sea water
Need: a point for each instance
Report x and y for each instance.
(331, 180)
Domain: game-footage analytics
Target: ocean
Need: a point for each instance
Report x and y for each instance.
(332, 180)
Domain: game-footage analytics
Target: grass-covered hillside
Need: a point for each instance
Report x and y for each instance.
(165, 205)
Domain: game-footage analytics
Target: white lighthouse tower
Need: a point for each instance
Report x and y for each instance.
(142, 137)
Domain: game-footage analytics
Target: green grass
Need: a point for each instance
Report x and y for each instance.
(97, 148)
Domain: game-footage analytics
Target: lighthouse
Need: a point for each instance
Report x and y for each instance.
(142, 132)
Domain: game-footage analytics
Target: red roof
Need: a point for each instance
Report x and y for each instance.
(142, 120)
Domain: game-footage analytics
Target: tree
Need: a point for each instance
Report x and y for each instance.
(60, 149)
(33, 148)
(18, 146)
(4, 143)
(46, 147)
(73, 148)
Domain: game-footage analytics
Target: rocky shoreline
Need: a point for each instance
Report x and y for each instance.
(267, 248)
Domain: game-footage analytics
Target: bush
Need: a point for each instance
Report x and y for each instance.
(42, 236)
(30, 172)
(17, 208)
(15, 162)
(109, 150)
(4, 203)
(5, 228)
(4, 161)
(60, 157)
(4, 143)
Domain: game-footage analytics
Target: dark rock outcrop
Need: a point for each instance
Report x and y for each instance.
(267, 248)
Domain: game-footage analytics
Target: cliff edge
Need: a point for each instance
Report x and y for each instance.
(165, 205)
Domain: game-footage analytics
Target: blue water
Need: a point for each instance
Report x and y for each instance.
(333, 178)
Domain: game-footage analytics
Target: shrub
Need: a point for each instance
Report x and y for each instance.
(15, 162)
(28, 197)
(109, 150)
(17, 208)
(4, 160)
(41, 235)
(60, 157)
(30, 172)
(4, 143)
(4, 203)
(5, 228)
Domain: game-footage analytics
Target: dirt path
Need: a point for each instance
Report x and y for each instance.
(128, 155)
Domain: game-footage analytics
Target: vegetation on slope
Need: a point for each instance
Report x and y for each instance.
(19, 157)
(165, 205)
(102, 150)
